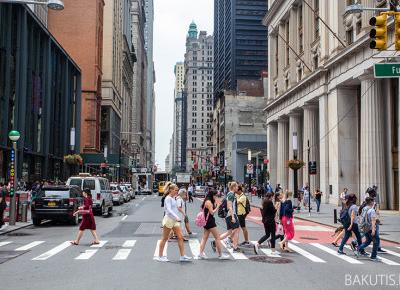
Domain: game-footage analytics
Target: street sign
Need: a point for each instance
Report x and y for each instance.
(387, 70)
(250, 169)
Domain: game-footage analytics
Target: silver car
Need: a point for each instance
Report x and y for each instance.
(125, 192)
(118, 196)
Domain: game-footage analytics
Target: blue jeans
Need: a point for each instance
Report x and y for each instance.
(347, 235)
(375, 243)
(318, 201)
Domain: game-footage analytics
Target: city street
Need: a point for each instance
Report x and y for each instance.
(42, 257)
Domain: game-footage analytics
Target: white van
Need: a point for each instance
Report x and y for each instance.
(100, 189)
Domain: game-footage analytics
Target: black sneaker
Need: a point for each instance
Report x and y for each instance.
(353, 246)
(213, 246)
(341, 252)
(382, 251)
(237, 250)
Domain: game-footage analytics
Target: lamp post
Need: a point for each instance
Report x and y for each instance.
(14, 137)
(295, 149)
(249, 162)
(51, 4)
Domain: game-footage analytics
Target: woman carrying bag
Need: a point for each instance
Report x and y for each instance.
(88, 222)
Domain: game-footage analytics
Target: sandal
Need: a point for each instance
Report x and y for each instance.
(94, 243)
(335, 244)
(74, 243)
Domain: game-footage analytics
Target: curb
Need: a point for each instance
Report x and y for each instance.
(16, 229)
(331, 226)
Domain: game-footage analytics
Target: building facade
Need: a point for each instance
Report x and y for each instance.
(240, 43)
(79, 25)
(322, 88)
(40, 96)
(140, 101)
(198, 86)
(179, 146)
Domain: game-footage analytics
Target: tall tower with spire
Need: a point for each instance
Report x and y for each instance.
(192, 31)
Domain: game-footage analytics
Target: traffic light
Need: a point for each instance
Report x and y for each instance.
(397, 30)
(379, 33)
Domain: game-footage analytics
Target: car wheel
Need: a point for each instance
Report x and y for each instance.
(110, 209)
(36, 221)
(104, 212)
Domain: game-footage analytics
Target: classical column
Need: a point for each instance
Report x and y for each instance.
(372, 163)
(295, 126)
(283, 153)
(311, 134)
(272, 151)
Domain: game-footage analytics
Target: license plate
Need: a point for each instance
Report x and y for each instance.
(51, 203)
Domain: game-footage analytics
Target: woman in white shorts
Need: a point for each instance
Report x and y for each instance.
(171, 221)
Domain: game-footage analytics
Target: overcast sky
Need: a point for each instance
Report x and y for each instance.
(171, 24)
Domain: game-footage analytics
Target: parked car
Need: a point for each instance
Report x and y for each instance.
(125, 192)
(57, 202)
(118, 196)
(100, 189)
(200, 191)
(130, 189)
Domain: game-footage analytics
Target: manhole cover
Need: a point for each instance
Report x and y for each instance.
(270, 260)
(18, 234)
(308, 238)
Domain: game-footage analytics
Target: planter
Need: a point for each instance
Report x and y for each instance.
(73, 159)
(296, 164)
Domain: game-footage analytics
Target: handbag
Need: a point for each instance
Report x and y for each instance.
(279, 230)
(201, 220)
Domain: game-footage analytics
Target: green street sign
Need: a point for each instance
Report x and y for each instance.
(387, 70)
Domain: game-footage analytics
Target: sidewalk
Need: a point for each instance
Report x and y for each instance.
(389, 230)
(17, 226)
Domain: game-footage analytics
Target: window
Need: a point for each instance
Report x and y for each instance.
(315, 60)
(350, 36)
(316, 19)
(287, 49)
(89, 183)
(300, 29)
(102, 184)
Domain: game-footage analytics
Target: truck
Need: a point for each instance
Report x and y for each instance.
(142, 183)
(183, 178)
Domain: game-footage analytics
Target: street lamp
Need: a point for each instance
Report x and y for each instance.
(358, 8)
(249, 162)
(14, 137)
(51, 4)
(295, 150)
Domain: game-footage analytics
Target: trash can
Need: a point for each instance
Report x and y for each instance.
(24, 212)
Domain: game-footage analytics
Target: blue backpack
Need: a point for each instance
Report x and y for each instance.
(345, 218)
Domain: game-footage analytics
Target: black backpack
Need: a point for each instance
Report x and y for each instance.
(223, 209)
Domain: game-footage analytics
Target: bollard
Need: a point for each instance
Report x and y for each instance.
(24, 213)
(335, 216)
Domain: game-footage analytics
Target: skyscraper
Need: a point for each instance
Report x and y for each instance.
(240, 42)
(179, 145)
(198, 84)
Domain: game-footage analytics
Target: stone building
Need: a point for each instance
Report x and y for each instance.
(322, 87)
(179, 144)
(198, 85)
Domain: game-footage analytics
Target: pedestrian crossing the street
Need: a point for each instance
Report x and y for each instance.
(123, 250)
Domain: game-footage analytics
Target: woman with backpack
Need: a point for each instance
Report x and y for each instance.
(286, 214)
(348, 218)
(268, 219)
(210, 207)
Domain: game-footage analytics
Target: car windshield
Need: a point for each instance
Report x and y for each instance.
(57, 193)
(76, 181)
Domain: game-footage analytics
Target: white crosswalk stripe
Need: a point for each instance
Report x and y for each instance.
(391, 252)
(4, 243)
(336, 254)
(129, 244)
(86, 255)
(158, 249)
(384, 260)
(52, 252)
(194, 245)
(236, 256)
(29, 246)
(305, 254)
(122, 254)
(100, 245)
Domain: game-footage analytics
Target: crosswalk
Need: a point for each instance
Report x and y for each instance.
(123, 250)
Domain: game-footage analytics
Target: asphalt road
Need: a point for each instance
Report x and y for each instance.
(41, 258)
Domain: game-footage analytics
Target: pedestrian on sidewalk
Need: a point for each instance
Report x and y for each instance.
(318, 196)
(3, 204)
(231, 219)
(181, 200)
(268, 220)
(286, 213)
(241, 200)
(349, 220)
(171, 221)
(306, 196)
(370, 225)
(190, 191)
(88, 222)
(210, 206)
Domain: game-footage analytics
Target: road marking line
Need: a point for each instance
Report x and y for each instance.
(122, 254)
(129, 244)
(29, 246)
(236, 256)
(124, 218)
(336, 254)
(52, 252)
(384, 260)
(154, 196)
(312, 228)
(295, 242)
(4, 243)
(305, 254)
(391, 252)
(267, 252)
(102, 243)
(158, 249)
(194, 245)
(86, 255)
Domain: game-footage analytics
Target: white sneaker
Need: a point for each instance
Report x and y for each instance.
(224, 257)
(228, 243)
(161, 259)
(257, 248)
(275, 253)
(185, 259)
(202, 256)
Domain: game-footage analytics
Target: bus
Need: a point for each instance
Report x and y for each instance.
(160, 178)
